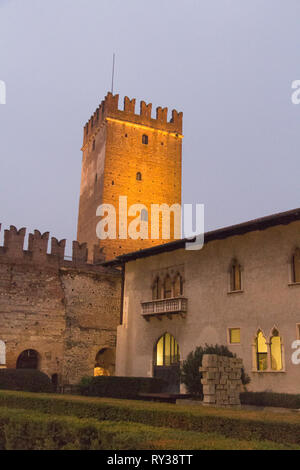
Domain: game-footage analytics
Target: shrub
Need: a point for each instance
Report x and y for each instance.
(27, 380)
(190, 374)
(29, 430)
(238, 424)
(284, 400)
(120, 387)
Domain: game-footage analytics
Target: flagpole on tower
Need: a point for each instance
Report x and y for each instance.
(113, 74)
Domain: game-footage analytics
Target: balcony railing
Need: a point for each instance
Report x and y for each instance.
(164, 307)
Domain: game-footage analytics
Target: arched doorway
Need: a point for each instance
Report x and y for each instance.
(167, 362)
(105, 362)
(28, 359)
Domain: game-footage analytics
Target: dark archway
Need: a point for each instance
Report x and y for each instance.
(105, 362)
(28, 359)
(54, 381)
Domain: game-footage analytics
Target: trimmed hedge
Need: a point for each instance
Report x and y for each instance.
(283, 400)
(120, 387)
(27, 430)
(27, 380)
(239, 424)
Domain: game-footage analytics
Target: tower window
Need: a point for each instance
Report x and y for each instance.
(145, 139)
(94, 144)
(139, 176)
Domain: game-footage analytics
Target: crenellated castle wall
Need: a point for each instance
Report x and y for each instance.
(66, 310)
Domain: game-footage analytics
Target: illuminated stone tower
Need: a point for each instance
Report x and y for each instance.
(128, 154)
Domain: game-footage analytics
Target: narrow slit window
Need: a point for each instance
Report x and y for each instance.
(276, 351)
(145, 139)
(235, 276)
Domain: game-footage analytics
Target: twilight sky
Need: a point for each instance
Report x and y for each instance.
(227, 64)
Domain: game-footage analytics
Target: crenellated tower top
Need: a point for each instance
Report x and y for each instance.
(109, 109)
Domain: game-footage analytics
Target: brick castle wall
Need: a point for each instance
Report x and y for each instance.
(65, 310)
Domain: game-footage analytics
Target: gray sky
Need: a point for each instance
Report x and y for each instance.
(227, 64)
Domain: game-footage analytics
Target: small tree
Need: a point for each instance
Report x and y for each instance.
(190, 375)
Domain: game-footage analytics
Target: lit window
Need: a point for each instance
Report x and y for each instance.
(234, 335)
(139, 176)
(276, 353)
(261, 352)
(235, 276)
(156, 289)
(145, 139)
(166, 351)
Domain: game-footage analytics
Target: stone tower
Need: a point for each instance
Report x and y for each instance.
(128, 154)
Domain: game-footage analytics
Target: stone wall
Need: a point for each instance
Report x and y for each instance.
(221, 380)
(66, 311)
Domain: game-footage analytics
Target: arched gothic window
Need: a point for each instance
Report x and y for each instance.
(178, 286)
(261, 352)
(166, 351)
(167, 287)
(276, 350)
(156, 289)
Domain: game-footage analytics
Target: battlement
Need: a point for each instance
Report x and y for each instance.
(37, 251)
(109, 108)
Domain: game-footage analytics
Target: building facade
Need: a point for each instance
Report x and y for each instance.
(56, 315)
(130, 155)
(241, 290)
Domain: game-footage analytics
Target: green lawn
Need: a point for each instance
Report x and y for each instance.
(71, 422)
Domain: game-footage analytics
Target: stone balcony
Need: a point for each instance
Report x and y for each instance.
(164, 307)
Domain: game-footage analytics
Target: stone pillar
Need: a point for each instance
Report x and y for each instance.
(221, 380)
